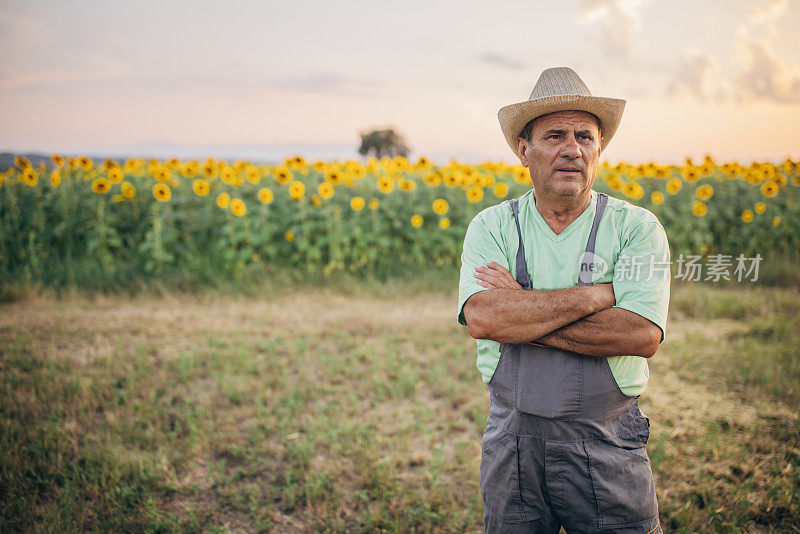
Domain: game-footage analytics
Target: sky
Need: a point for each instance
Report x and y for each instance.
(271, 79)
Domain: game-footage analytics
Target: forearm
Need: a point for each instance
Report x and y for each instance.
(517, 316)
(609, 332)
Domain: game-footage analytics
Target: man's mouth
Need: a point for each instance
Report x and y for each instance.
(569, 170)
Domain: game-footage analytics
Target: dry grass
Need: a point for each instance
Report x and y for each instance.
(319, 411)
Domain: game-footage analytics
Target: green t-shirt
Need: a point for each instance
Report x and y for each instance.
(631, 251)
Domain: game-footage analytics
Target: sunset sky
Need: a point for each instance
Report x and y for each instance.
(719, 77)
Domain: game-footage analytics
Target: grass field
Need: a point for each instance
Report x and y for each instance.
(301, 410)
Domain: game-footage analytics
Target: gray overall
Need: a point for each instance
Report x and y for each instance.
(563, 446)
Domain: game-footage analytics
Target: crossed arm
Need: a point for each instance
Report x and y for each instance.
(580, 319)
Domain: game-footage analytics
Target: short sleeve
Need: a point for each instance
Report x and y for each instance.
(481, 246)
(642, 273)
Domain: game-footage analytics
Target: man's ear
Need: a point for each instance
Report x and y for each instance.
(522, 148)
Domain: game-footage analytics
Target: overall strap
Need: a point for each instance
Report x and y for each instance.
(585, 276)
(523, 278)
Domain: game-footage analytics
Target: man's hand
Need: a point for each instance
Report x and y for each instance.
(495, 276)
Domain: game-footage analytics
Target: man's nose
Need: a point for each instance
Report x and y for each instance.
(571, 148)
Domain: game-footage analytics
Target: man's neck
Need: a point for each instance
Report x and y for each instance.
(559, 212)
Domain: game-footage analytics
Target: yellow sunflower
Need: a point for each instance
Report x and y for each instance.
(475, 194)
(444, 223)
(238, 207)
(760, 207)
(453, 179)
(30, 177)
(385, 184)
(691, 175)
(776, 221)
(416, 220)
(674, 185)
(223, 200)
(699, 209)
(210, 170)
(101, 185)
(633, 190)
(297, 190)
(747, 216)
(407, 185)
(128, 191)
(201, 187)
(22, 162)
(433, 179)
(227, 175)
(189, 169)
(131, 165)
(55, 178)
(769, 189)
(521, 174)
(440, 206)
(58, 160)
(253, 175)
(373, 204)
(657, 197)
(357, 203)
(265, 195)
(289, 236)
(334, 177)
(614, 182)
(85, 163)
(704, 192)
(325, 190)
(162, 174)
(501, 190)
(162, 192)
(282, 175)
(115, 175)
(295, 162)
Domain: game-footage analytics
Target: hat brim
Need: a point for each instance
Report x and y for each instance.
(514, 117)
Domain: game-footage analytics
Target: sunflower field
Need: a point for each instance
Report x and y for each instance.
(77, 223)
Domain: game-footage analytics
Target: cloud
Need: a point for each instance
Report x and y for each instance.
(767, 13)
(755, 72)
(765, 76)
(618, 22)
(761, 74)
(698, 75)
(327, 82)
(25, 42)
(19, 28)
(99, 68)
(499, 60)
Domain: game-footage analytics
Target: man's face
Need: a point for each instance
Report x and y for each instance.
(563, 153)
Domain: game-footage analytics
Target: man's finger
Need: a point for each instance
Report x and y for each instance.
(486, 277)
(498, 267)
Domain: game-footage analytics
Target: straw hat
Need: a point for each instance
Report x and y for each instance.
(560, 89)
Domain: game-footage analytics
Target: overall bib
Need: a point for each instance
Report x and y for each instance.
(563, 446)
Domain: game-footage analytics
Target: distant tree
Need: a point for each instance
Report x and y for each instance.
(380, 143)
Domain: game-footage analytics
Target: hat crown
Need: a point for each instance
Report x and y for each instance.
(559, 81)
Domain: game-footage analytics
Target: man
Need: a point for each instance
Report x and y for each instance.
(566, 292)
